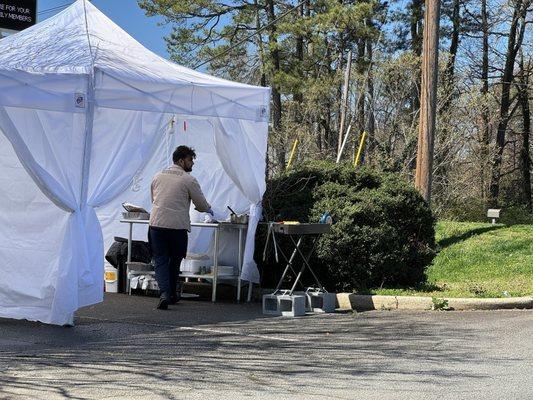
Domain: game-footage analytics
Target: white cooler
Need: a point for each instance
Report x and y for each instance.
(110, 278)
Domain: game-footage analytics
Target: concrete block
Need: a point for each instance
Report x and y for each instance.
(320, 302)
(284, 305)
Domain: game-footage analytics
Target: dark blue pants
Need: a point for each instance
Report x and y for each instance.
(169, 247)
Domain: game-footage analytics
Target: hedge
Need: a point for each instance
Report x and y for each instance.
(382, 234)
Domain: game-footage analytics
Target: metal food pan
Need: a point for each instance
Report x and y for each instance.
(135, 215)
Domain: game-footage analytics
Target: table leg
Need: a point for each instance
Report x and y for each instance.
(128, 258)
(240, 266)
(266, 241)
(215, 266)
(289, 265)
(275, 245)
(306, 263)
(129, 242)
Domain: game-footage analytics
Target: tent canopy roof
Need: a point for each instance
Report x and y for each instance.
(82, 37)
(81, 40)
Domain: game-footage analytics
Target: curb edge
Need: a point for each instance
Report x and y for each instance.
(359, 302)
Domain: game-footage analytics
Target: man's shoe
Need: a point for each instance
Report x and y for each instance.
(163, 304)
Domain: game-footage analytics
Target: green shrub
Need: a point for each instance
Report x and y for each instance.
(383, 231)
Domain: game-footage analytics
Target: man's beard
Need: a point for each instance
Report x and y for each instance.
(187, 169)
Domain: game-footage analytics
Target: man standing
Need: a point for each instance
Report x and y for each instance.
(172, 191)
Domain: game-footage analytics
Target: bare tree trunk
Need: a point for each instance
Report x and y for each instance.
(326, 118)
(371, 124)
(443, 147)
(516, 35)
(428, 104)
(260, 44)
(276, 95)
(448, 77)
(344, 100)
(525, 159)
(361, 44)
(416, 46)
(485, 134)
(298, 96)
(318, 136)
(417, 16)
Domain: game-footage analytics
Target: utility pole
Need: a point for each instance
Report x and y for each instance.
(428, 99)
(344, 100)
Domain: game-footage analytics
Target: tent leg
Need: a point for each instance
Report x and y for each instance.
(240, 267)
(215, 267)
(70, 321)
(250, 285)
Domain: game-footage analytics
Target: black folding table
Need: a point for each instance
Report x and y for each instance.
(297, 233)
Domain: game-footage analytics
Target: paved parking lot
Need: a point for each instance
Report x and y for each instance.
(123, 348)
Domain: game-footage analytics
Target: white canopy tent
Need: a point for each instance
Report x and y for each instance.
(87, 116)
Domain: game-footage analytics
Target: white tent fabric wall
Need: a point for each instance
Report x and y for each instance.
(85, 107)
(220, 181)
(30, 248)
(54, 158)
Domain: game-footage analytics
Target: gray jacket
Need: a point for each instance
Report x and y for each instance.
(172, 191)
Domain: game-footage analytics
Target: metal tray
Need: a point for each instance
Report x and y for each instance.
(135, 215)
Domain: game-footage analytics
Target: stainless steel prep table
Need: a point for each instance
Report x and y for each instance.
(217, 226)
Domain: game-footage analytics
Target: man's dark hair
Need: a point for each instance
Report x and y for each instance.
(182, 152)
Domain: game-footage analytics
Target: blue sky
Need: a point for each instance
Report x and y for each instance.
(126, 14)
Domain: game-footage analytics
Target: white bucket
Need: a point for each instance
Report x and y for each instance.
(110, 278)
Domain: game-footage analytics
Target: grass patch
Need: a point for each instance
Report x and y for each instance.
(478, 260)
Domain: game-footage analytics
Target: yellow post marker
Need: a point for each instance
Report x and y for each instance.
(292, 154)
(360, 149)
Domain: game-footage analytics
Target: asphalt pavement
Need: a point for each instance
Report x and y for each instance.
(124, 348)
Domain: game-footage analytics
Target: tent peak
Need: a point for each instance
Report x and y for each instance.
(81, 39)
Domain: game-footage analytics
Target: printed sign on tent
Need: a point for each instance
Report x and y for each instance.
(17, 14)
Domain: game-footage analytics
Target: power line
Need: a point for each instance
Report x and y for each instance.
(54, 8)
(253, 34)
